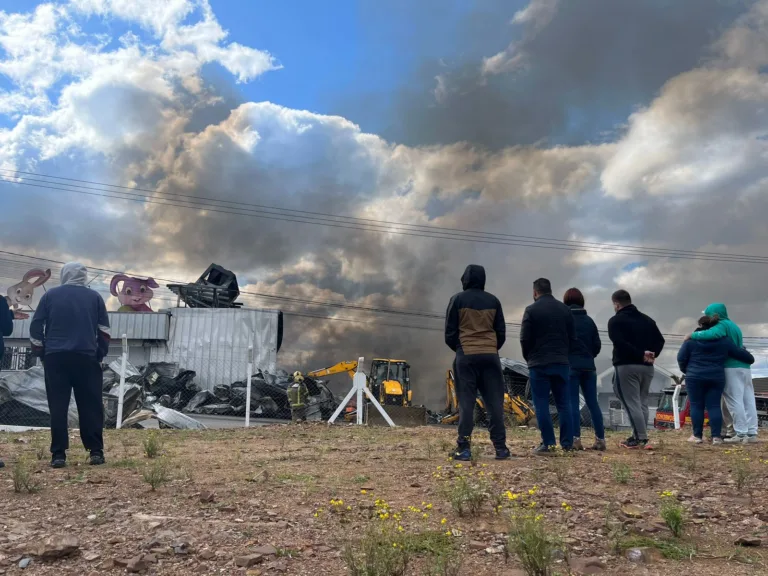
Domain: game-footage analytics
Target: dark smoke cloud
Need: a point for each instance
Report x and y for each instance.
(581, 75)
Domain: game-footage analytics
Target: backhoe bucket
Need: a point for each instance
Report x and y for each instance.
(407, 416)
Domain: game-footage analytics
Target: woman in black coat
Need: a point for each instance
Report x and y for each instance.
(583, 372)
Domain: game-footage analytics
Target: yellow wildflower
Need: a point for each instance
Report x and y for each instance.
(363, 492)
(444, 521)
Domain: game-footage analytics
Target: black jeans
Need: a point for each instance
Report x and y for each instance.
(65, 372)
(480, 373)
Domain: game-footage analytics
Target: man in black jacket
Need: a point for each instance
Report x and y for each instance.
(475, 330)
(547, 336)
(637, 342)
(6, 329)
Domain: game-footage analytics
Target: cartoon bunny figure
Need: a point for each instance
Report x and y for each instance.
(21, 294)
(134, 294)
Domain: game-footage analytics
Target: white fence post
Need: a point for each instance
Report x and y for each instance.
(121, 390)
(675, 407)
(248, 383)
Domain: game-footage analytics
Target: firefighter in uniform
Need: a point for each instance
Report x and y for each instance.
(297, 397)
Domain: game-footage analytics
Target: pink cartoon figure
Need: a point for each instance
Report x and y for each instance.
(21, 294)
(135, 293)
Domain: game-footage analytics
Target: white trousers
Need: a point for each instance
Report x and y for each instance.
(739, 395)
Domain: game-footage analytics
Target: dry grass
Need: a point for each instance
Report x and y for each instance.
(273, 485)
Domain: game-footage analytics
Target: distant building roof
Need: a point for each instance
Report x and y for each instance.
(135, 325)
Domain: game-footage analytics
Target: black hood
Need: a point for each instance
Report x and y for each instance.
(473, 277)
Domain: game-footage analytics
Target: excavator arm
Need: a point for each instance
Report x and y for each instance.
(350, 367)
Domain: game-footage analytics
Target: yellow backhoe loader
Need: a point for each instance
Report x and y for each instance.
(515, 407)
(389, 381)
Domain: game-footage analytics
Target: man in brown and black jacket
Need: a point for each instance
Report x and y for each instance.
(475, 330)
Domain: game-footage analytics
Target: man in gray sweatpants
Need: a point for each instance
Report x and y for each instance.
(637, 342)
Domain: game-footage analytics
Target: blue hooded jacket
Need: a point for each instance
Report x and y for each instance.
(705, 359)
(71, 318)
(582, 355)
(6, 323)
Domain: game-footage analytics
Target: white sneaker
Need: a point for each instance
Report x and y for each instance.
(695, 440)
(736, 440)
(717, 441)
(752, 439)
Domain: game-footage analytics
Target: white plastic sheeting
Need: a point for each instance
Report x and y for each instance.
(214, 342)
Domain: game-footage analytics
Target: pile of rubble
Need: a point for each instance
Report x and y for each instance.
(164, 392)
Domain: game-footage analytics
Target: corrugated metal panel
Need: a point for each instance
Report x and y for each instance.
(137, 326)
(140, 325)
(214, 342)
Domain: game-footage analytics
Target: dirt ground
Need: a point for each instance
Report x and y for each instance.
(231, 494)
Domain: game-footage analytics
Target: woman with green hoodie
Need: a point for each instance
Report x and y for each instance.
(739, 393)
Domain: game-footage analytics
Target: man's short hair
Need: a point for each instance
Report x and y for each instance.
(542, 286)
(622, 298)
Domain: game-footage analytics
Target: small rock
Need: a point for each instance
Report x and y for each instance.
(227, 508)
(89, 556)
(494, 550)
(149, 558)
(207, 497)
(136, 564)
(181, 547)
(592, 565)
(642, 555)
(415, 485)
(206, 555)
(107, 564)
(323, 549)
(476, 545)
(58, 547)
(253, 572)
(265, 550)
(24, 562)
(632, 511)
(93, 573)
(248, 560)
(92, 517)
(748, 541)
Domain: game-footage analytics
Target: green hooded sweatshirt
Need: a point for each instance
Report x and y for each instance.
(725, 327)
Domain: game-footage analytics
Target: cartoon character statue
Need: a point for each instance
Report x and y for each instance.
(21, 294)
(135, 293)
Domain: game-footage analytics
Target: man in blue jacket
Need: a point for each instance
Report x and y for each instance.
(6, 329)
(70, 332)
(475, 330)
(739, 392)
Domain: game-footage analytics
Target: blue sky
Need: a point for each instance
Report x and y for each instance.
(346, 57)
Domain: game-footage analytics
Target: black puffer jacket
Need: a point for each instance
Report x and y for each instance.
(474, 320)
(547, 335)
(632, 333)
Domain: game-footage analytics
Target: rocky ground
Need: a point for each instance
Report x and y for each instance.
(292, 499)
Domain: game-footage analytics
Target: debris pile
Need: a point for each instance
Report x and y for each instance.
(164, 392)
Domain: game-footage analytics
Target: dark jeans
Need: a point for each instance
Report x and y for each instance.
(65, 372)
(480, 373)
(586, 382)
(554, 378)
(705, 394)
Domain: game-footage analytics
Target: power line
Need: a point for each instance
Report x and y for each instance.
(671, 338)
(370, 225)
